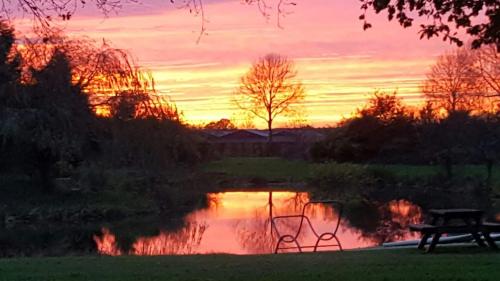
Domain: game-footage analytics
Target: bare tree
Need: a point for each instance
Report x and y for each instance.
(269, 89)
(453, 84)
(487, 64)
(44, 11)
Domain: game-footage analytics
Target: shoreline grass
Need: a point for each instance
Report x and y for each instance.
(265, 168)
(468, 263)
(274, 169)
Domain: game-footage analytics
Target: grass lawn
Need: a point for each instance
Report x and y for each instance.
(279, 169)
(268, 168)
(406, 264)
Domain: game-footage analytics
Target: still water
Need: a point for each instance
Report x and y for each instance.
(240, 223)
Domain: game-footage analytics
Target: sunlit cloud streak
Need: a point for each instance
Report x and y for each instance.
(339, 63)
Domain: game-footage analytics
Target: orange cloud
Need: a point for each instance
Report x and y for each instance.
(339, 63)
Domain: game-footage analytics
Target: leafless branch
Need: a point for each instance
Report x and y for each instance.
(269, 88)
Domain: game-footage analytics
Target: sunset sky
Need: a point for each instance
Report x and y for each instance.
(339, 63)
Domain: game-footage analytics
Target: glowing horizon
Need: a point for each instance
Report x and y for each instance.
(339, 63)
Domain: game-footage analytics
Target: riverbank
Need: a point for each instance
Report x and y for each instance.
(258, 172)
(100, 195)
(272, 171)
(133, 204)
(471, 263)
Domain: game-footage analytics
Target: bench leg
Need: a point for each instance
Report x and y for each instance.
(434, 242)
(490, 240)
(423, 241)
(478, 239)
(338, 242)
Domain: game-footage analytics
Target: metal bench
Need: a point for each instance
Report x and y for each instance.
(304, 220)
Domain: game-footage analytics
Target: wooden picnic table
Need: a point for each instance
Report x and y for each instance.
(456, 221)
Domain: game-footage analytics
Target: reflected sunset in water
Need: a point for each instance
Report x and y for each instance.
(239, 223)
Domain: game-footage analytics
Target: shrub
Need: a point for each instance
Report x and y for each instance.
(341, 178)
(353, 180)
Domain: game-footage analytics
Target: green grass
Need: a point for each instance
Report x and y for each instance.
(268, 168)
(407, 264)
(279, 169)
(416, 171)
(19, 196)
(115, 194)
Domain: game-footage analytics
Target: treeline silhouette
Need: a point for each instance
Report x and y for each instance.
(67, 103)
(70, 103)
(386, 130)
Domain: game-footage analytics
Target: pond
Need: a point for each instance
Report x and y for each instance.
(233, 223)
(239, 223)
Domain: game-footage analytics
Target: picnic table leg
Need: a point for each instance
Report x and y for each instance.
(478, 239)
(434, 242)
(423, 241)
(490, 241)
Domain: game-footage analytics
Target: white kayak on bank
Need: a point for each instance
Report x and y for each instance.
(442, 240)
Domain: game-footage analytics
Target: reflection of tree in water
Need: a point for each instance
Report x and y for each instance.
(372, 222)
(383, 222)
(186, 240)
(253, 235)
(182, 242)
(256, 235)
(106, 243)
(155, 235)
(213, 201)
(383, 216)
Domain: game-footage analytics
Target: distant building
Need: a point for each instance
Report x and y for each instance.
(293, 143)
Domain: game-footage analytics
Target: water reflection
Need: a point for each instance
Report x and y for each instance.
(240, 223)
(185, 241)
(107, 244)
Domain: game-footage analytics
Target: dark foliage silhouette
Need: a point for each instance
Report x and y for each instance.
(386, 132)
(66, 103)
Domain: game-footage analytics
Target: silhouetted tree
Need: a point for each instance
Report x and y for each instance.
(479, 18)
(386, 131)
(384, 107)
(453, 84)
(44, 11)
(269, 89)
(427, 114)
(383, 131)
(222, 124)
(10, 73)
(487, 64)
(113, 82)
(487, 141)
(47, 120)
(9, 61)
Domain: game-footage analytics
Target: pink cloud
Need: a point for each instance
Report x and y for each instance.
(339, 63)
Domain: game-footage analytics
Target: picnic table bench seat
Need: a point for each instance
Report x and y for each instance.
(442, 229)
(429, 228)
(456, 221)
(422, 227)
